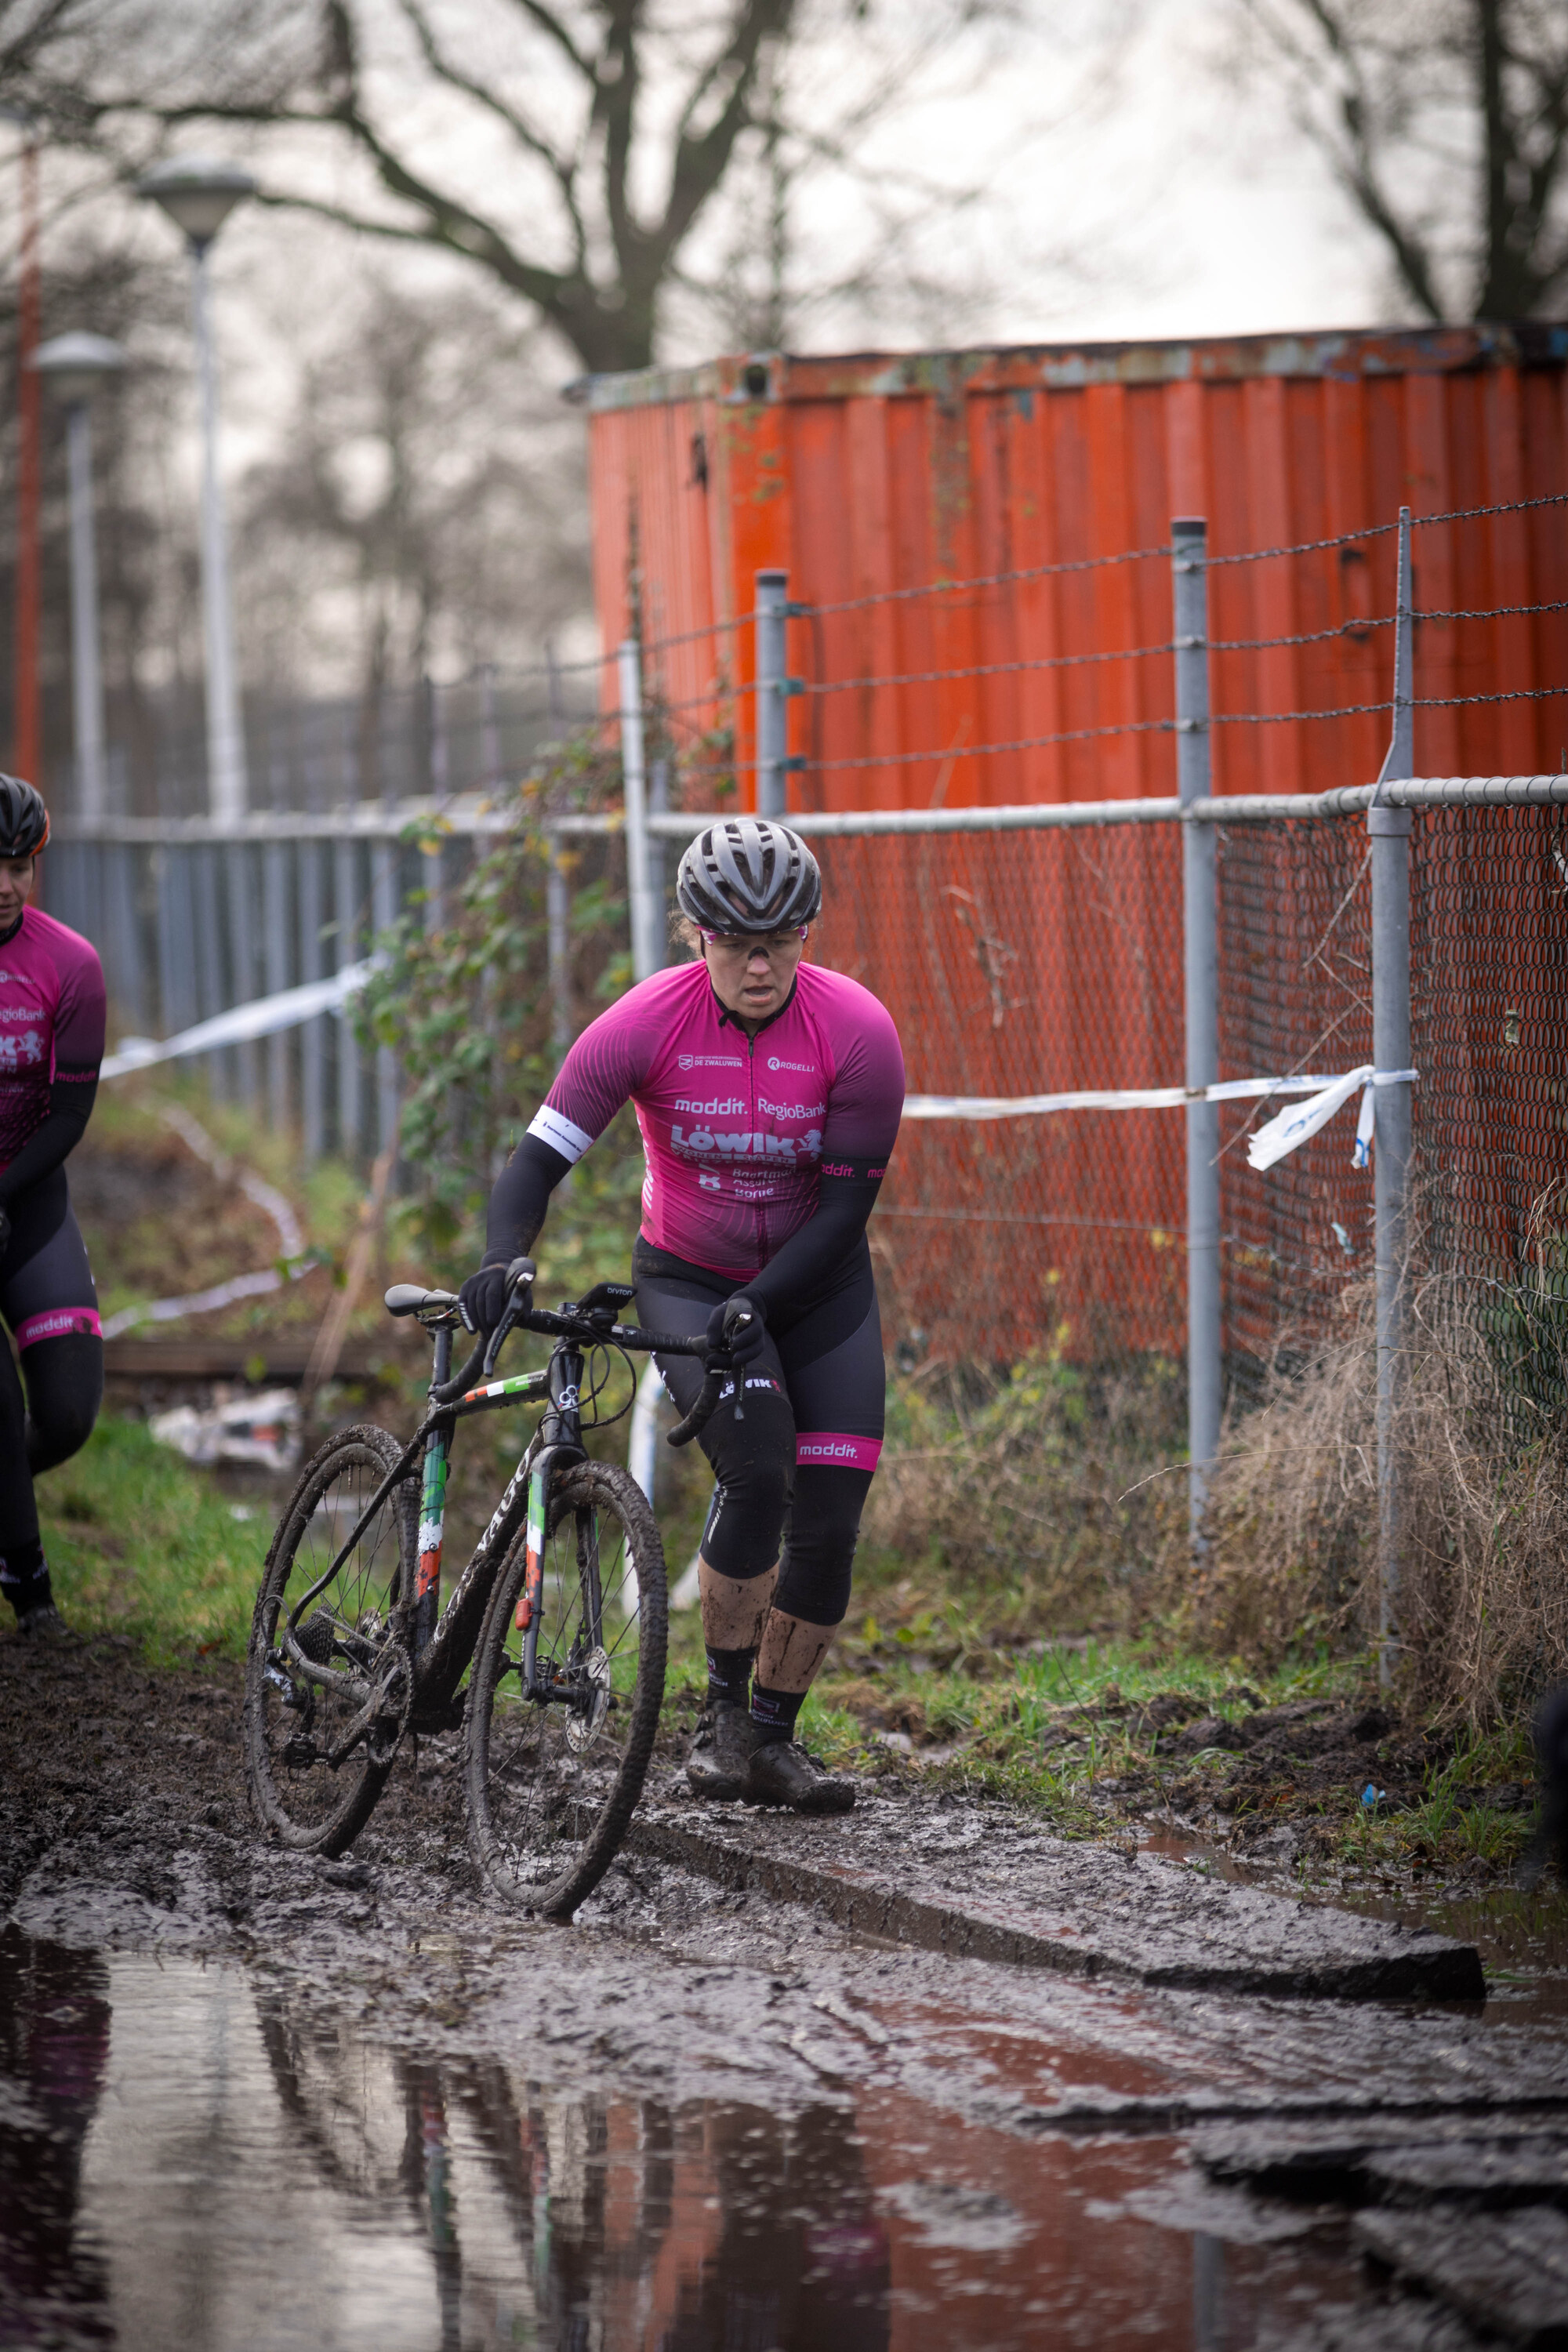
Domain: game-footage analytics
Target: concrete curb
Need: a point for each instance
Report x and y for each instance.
(1080, 1910)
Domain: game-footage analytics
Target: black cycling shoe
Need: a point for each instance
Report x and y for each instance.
(43, 1623)
(721, 1758)
(783, 1774)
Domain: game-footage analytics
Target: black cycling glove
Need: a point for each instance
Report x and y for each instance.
(481, 1301)
(730, 1333)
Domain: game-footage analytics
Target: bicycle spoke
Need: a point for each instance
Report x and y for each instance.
(550, 1769)
(319, 1745)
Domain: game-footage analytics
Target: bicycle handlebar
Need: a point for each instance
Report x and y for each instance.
(717, 1369)
(590, 1329)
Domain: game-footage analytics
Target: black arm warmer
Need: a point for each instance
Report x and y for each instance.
(70, 1108)
(826, 1238)
(520, 1200)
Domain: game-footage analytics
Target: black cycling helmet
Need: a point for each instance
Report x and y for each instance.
(748, 875)
(24, 819)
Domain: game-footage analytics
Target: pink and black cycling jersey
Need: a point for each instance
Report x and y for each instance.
(737, 1132)
(51, 1025)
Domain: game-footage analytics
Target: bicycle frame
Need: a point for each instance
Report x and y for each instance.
(445, 1642)
(439, 1642)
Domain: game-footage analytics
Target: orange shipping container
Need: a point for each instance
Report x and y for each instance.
(945, 521)
(869, 477)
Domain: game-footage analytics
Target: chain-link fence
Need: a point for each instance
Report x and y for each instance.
(1489, 1019)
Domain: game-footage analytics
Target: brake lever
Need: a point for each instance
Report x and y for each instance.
(519, 1277)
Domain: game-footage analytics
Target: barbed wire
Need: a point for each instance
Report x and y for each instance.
(985, 750)
(1166, 727)
(1473, 514)
(1308, 638)
(1453, 701)
(1041, 662)
(1492, 611)
(988, 669)
(985, 579)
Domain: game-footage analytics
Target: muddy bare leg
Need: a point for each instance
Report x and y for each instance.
(735, 1608)
(792, 1651)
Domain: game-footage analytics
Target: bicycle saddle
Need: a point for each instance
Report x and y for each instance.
(408, 1299)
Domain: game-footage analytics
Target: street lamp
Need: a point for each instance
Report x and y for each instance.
(198, 196)
(75, 365)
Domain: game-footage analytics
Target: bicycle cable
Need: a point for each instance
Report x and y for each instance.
(597, 1386)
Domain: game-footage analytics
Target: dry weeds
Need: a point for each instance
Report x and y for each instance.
(1482, 1450)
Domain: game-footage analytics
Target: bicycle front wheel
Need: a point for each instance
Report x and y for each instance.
(318, 1751)
(554, 1776)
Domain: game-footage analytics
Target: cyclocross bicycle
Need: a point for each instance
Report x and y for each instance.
(561, 1612)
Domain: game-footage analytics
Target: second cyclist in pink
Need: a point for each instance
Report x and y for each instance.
(768, 1093)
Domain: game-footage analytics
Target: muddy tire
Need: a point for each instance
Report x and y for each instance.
(307, 1788)
(551, 1787)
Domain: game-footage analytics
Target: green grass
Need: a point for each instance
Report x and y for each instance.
(141, 1543)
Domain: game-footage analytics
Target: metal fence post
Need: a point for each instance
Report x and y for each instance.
(212, 995)
(274, 962)
(1189, 537)
(242, 955)
(312, 1036)
(658, 806)
(645, 956)
(383, 878)
(346, 907)
(1389, 833)
(773, 733)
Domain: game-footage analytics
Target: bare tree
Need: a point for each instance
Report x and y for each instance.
(425, 504)
(1444, 124)
(575, 151)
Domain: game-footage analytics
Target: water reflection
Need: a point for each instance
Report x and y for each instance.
(193, 2160)
(54, 2040)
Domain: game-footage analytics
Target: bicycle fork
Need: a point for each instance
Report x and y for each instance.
(561, 1432)
(432, 1511)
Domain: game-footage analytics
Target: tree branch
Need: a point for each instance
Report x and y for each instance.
(562, 169)
(701, 160)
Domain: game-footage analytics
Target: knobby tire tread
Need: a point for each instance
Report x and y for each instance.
(589, 1483)
(338, 1834)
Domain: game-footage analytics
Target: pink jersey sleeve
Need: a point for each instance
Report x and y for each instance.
(866, 1099)
(602, 1070)
(80, 1013)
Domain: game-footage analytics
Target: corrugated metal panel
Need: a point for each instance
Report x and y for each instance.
(1017, 966)
(875, 474)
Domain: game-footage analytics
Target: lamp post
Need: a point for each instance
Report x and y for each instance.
(75, 365)
(198, 196)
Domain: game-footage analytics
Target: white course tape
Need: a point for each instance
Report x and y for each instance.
(202, 1302)
(1271, 1142)
(262, 1018)
(291, 1240)
(1290, 1127)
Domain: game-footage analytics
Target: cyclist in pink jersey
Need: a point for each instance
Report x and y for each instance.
(51, 1042)
(768, 1093)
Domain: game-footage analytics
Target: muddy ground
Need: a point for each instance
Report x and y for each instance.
(1029, 2157)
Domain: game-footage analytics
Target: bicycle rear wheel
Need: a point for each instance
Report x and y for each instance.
(317, 1754)
(552, 1783)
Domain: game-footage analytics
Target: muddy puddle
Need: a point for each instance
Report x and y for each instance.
(193, 2157)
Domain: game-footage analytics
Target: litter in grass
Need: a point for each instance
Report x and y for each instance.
(261, 1429)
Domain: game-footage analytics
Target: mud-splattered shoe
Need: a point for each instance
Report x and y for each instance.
(721, 1759)
(783, 1774)
(43, 1623)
